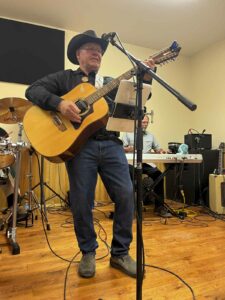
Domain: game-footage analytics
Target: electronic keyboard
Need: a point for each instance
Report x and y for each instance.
(167, 158)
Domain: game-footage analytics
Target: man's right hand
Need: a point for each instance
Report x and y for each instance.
(69, 110)
(128, 149)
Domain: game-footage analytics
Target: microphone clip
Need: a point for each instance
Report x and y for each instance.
(109, 37)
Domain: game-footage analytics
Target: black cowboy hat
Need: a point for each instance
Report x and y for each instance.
(77, 41)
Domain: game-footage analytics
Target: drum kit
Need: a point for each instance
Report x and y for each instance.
(12, 111)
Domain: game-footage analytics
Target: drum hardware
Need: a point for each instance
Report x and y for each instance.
(42, 182)
(12, 111)
(43, 208)
(14, 213)
(31, 201)
(11, 230)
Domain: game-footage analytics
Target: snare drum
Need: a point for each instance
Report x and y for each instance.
(7, 158)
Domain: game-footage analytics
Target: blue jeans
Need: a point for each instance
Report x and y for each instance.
(108, 159)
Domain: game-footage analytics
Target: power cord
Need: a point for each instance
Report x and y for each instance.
(102, 238)
(174, 274)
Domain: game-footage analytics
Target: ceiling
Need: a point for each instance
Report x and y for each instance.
(195, 24)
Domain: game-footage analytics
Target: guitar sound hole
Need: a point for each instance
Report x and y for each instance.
(82, 105)
(88, 111)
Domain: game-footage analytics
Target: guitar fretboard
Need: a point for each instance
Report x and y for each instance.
(109, 87)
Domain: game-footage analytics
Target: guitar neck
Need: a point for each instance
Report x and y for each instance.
(167, 54)
(109, 86)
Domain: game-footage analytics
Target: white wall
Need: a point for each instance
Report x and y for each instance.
(208, 88)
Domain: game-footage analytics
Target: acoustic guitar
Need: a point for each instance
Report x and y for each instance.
(57, 138)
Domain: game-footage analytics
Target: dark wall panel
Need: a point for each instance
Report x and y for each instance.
(29, 52)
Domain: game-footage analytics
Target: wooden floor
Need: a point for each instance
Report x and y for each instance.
(193, 249)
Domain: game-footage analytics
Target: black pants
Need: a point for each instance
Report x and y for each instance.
(153, 173)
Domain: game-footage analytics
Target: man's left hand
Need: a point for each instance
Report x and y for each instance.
(150, 63)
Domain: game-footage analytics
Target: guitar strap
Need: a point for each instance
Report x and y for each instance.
(99, 81)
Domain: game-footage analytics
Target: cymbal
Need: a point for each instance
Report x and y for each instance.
(12, 110)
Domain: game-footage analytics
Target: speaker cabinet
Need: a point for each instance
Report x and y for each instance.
(194, 179)
(217, 193)
(198, 141)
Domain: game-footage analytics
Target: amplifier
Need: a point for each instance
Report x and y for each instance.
(217, 193)
(198, 141)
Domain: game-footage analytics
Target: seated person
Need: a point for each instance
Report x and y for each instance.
(149, 145)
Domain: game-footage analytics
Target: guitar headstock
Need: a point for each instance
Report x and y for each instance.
(167, 54)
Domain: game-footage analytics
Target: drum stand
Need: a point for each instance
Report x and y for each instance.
(30, 195)
(31, 201)
(11, 230)
(44, 184)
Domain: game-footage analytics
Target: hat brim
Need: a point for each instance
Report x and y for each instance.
(80, 40)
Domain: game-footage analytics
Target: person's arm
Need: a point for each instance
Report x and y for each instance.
(128, 149)
(47, 91)
(156, 147)
(126, 143)
(160, 151)
(147, 77)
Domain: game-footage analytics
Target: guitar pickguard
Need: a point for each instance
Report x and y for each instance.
(83, 116)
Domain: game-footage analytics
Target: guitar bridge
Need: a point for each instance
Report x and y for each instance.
(58, 122)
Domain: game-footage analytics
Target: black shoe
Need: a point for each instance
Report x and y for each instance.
(125, 263)
(87, 265)
(163, 212)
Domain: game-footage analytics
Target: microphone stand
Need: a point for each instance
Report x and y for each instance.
(139, 200)
(141, 70)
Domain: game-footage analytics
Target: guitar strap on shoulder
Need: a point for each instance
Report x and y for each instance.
(99, 81)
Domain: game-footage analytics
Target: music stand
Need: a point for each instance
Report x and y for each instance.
(124, 111)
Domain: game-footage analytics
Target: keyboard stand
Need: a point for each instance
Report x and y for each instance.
(169, 167)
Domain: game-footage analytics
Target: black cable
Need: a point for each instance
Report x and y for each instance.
(99, 210)
(46, 236)
(214, 214)
(60, 186)
(97, 222)
(66, 276)
(101, 229)
(174, 274)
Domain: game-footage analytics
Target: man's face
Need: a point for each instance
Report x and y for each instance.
(89, 56)
(145, 123)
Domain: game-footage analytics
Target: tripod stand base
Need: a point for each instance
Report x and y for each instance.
(15, 248)
(11, 231)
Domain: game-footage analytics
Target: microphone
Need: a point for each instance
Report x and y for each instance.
(108, 36)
